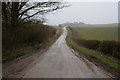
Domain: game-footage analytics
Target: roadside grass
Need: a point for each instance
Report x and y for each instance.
(17, 53)
(98, 32)
(111, 63)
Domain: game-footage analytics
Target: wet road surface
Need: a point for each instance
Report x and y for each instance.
(60, 62)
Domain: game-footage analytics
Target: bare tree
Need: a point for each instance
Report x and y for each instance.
(14, 13)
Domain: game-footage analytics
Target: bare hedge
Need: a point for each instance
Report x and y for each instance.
(111, 48)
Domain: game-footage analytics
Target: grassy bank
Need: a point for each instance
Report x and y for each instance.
(109, 64)
(28, 39)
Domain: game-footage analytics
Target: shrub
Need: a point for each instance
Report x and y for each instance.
(91, 44)
(26, 35)
(111, 48)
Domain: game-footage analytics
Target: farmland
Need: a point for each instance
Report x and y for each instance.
(98, 32)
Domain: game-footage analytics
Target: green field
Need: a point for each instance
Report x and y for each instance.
(98, 32)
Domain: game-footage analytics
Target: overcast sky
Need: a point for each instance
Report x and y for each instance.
(88, 12)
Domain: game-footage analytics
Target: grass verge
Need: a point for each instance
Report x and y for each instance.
(17, 53)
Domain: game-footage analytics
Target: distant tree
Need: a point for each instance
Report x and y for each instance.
(81, 23)
(36, 21)
(60, 25)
